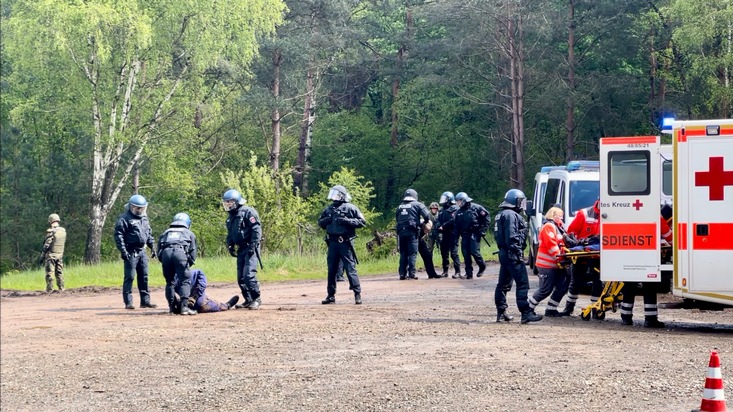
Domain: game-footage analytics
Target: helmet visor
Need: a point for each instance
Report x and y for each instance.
(138, 210)
(443, 199)
(229, 204)
(337, 195)
(522, 203)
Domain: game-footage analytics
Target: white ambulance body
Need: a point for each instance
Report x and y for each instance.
(534, 210)
(632, 193)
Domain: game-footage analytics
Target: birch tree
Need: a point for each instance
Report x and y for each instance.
(125, 62)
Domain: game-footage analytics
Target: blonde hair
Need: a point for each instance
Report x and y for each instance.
(553, 212)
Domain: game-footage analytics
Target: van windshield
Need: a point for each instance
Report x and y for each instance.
(583, 193)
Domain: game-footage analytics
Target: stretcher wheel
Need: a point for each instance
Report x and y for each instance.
(585, 316)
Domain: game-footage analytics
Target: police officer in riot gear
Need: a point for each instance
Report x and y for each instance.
(244, 233)
(132, 234)
(449, 236)
(340, 220)
(408, 216)
(510, 232)
(177, 253)
(471, 223)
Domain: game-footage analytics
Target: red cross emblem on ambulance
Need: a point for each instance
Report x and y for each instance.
(716, 178)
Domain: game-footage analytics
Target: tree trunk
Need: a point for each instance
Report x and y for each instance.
(570, 102)
(306, 130)
(516, 73)
(94, 234)
(275, 116)
(398, 71)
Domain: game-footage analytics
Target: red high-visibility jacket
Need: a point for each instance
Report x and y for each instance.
(551, 242)
(586, 223)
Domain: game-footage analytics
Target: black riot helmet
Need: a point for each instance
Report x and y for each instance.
(447, 198)
(514, 199)
(462, 198)
(338, 193)
(410, 196)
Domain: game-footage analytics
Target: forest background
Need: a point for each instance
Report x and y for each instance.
(181, 99)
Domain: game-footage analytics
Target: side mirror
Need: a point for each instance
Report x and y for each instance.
(530, 208)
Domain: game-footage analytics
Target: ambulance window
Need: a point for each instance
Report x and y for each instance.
(629, 173)
(553, 187)
(667, 177)
(583, 193)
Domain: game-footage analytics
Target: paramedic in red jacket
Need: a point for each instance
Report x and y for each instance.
(586, 229)
(553, 276)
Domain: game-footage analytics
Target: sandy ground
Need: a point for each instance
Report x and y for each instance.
(413, 345)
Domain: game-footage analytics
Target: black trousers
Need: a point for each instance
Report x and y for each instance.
(631, 289)
(339, 253)
(580, 275)
(408, 254)
(138, 263)
(427, 257)
(554, 283)
(471, 248)
(247, 274)
(449, 247)
(176, 274)
(512, 269)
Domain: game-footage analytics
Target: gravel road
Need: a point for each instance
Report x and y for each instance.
(426, 345)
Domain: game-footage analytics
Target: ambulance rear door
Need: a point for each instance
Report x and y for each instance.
(630, 209)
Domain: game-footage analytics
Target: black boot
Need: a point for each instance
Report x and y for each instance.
(552, 313)
(569, 308)
(357, 298)
(530, 316)
(480, 272)
(185, 310)
(653, 322)
(627, 320)
(233, 301)
(330, 299)
(503, 317)
(243, 305)
(255, 304)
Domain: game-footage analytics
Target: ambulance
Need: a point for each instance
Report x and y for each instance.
(534, 210)
(631, 195)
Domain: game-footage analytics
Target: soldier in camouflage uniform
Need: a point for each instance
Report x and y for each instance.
(53, 253)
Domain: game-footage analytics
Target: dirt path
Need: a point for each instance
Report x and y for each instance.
(413, 345)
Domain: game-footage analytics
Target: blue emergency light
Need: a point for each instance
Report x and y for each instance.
(667, 124)
(548, 169)
(576, 165)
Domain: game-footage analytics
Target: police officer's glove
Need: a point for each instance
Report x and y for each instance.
(570, 240)
(42, 260)
(191, 301)
(232, 251)
(152, 254)
(125, 256)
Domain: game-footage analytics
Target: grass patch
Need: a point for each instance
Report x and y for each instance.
(278, 267)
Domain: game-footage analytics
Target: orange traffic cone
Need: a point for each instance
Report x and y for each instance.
(713, 397)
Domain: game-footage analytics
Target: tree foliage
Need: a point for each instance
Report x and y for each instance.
(176, 100)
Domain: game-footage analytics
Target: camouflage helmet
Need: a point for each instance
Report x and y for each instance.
(53, 217)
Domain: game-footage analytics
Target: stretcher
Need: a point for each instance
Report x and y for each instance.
(611, 296)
